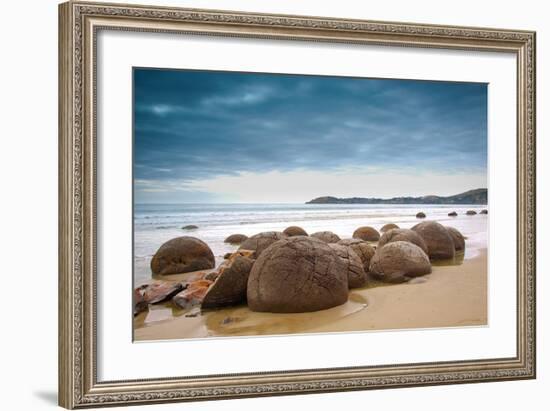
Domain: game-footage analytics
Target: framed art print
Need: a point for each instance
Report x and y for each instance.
(255, 205)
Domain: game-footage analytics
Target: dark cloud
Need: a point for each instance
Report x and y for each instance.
(195, 124)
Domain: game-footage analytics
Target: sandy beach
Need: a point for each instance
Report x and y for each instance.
(453, 295)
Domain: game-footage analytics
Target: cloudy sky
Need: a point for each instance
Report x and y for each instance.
(244, 137)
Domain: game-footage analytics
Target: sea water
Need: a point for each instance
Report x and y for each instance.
(155, 224)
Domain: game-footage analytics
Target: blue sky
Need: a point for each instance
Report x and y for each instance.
(246, 137)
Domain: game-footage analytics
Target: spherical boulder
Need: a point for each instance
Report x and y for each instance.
(458, 238)
(356, 273)
(182, 255)
(293, 231)
(364, 250)
(326, 236)
(420, 215)
(236, 239)
(388, 227)
(229, 287)
(402, 234)
(366, 234)
(471, 212)
(452, 214)
(440, 243)
(398, 262)
(297, 274)
(259, 242)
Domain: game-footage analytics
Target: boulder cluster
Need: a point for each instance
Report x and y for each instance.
(291, 271)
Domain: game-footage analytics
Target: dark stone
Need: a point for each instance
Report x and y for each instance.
(403, 234)
(259, 242)
(182, 255)
(326, 236)
(388, 227)
(399, 261)
(293, 231)
(236, 239)
(230, 286)
(440, 243)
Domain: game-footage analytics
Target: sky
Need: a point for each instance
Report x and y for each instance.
(222, 137)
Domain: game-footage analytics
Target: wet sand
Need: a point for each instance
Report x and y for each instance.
(453, 295)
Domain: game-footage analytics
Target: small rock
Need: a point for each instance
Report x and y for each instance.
(189, 227)
(366, 234)
(293, 231)
(326, 236)
(483, 212)
(471, 212)
(403, 234)
(452, 214)
(388, 227)
(420, 215)
(236, 239)
(259, 242)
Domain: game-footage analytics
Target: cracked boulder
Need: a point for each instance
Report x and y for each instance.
(354, 266)
(229, 287)
(297, 274)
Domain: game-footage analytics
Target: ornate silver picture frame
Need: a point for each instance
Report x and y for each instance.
(79, 25)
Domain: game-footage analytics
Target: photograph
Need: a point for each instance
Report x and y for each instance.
(272, 204)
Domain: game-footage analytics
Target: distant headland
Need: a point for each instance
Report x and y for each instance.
(477, 196)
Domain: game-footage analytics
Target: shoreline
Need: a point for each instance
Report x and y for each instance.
(452, 295)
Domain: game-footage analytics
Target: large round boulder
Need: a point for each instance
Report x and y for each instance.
(458, 238)
(297, 274)
(366, 234)
(388, 227)
(356, 273)
(399, 261)
(294, 230)
(364, 250)
(182, 255)
(229, 287)
(403, 234)
(326, 236)
(259, 242)
(236, 239)
(440, 243)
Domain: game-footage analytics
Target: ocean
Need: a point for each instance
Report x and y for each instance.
(155, 224)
